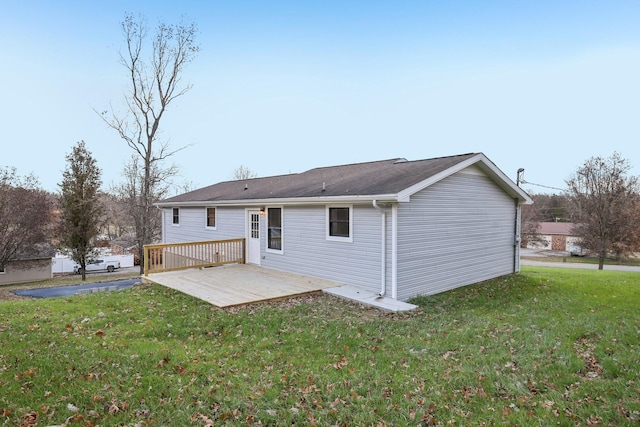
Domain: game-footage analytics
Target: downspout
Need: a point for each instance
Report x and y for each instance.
(516, 234)
(383, 278)
(516, 239)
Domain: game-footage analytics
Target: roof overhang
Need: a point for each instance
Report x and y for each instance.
(479, 160)
(285, 201)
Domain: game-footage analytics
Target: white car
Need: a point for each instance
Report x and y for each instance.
(99, 265)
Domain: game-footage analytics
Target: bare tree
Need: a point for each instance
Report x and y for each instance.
(243, 172)
(531, 218)
(25, 215)
(154, 83)
(605, 204)
(131, 194)
(117, 219)
(551, 207)
(80, 207)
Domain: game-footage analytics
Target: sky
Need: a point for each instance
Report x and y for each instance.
(282, 87)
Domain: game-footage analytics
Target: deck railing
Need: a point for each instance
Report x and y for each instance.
(179, 256)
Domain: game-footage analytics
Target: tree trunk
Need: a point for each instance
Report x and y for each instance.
(601, 261)
(601, 255)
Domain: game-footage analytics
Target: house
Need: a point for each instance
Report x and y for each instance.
(397, 228)
(556, 236)
(124, 245)
(28, 266)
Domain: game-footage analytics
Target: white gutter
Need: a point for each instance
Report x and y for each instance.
(281, 201)
(383, 279)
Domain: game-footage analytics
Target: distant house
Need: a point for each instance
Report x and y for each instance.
(29, 266)
(124, 245)
(394, 227)
(556, 236)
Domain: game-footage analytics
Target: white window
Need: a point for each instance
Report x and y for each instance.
(340, 223)
(211, 218)
(274, 229)
(176, 216)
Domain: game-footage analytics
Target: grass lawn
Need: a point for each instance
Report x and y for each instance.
(545, 347)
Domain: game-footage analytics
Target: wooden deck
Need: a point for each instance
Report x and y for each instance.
(237, 284)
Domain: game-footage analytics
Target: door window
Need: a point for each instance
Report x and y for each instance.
(255, 226)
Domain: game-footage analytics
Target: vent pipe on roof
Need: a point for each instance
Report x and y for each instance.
(402, 160)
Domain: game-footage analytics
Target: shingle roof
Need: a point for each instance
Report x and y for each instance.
(37, 251)
(565, 228)
(385, 177)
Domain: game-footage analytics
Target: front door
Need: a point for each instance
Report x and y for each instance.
(253, 237)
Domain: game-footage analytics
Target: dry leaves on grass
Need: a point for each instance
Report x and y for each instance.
(585, 347)
(7, 295)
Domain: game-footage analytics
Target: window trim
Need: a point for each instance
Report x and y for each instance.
(175, 213)
(348, 239)
(215, 218)
(272, 250)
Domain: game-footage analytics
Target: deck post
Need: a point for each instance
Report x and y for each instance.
(145, 259)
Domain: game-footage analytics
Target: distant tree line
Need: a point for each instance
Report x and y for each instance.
(25, 215)
(80, 218)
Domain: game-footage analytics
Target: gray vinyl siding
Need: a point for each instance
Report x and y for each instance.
(307, 251)
(454, 233)
(192, 228)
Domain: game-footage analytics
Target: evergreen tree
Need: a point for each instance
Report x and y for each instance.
(80, 207)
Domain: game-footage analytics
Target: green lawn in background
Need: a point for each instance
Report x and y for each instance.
(545, 347)
(633, 261)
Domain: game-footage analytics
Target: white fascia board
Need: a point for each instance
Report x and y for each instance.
(284, 201)
(479, 160)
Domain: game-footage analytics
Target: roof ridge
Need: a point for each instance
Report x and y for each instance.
(355, 164)
(392, 160)
(442, 157)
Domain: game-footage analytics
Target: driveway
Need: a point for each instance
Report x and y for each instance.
(63, 291)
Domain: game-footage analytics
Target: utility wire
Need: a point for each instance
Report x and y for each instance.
(522, 181)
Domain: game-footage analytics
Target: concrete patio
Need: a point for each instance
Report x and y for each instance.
(237, 284)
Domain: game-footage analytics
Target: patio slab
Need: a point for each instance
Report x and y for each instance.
(369, 298)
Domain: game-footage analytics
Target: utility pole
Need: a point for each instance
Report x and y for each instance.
(519, 174)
